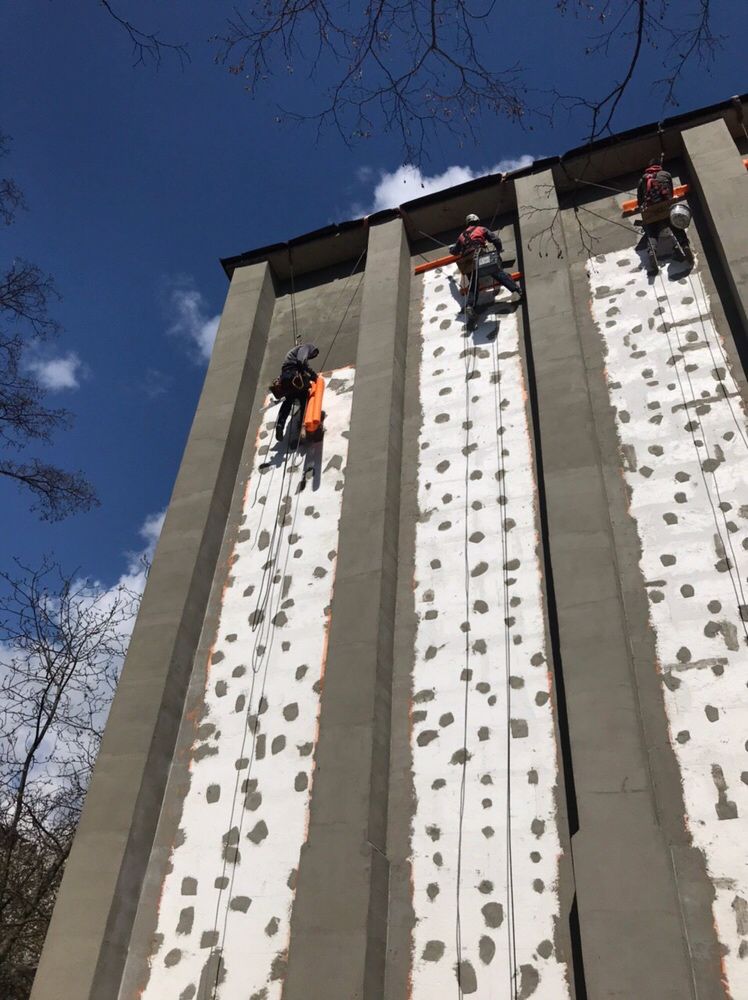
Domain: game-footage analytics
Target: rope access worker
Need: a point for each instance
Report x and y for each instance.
(470, 243)
(295, 378)
(655, 196)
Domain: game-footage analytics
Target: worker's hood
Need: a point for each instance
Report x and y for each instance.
(306, 352)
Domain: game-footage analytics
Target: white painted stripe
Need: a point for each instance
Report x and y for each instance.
(439, 691)
(265, 819)
(681, 464)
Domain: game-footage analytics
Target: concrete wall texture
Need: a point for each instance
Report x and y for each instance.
(452, 701)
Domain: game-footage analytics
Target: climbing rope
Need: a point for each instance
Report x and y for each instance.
(262, 619)
(294, 319)
(725, 362)
(731, 564)
(261, 655)
(469, 353)
(347, 308)
(470, 366)
(501, 467)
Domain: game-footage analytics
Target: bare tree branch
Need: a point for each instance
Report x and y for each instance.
(147, 47)
(632, 26)
(413, 66)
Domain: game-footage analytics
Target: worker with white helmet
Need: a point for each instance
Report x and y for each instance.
(473, 239)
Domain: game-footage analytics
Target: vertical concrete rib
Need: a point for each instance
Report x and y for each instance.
(721, 180)
(629, 918)
(339, 922)
(87, 942)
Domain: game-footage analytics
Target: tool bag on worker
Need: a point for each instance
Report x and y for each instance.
(488, 263)
(283, 387)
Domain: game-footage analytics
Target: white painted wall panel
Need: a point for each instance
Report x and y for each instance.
(230, 885)
(684, 449)
(479, 599)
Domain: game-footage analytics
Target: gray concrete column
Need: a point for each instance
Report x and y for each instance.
(721, 182)
(339, 922)
(631, 932)
(88, 937)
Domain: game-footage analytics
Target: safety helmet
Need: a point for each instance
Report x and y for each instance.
(680, 216)
(472, 220)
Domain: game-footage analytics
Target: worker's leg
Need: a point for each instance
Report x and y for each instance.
(508, 282)
(682, 243)
(285, 409)
(651, 234)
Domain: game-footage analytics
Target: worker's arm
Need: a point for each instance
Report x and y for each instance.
(496, 240)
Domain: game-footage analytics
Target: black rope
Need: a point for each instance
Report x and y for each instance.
(254, 729)
(347, 308)
(257, 660)
(501, 468)
(469, 353)
(717, 366)
(731, 564)
(294, 317)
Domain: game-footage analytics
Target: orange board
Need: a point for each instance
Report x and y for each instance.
(633, 204)
(313, 412)
(431, 264)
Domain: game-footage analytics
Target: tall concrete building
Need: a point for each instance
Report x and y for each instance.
(453, 701)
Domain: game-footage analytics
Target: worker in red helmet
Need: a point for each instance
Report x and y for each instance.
(655, 195)
(295, 378)
(471, 241)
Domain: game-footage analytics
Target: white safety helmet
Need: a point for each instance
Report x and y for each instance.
(472, 220)
(680, 216)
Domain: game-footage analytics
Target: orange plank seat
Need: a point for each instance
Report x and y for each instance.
(313, 412)
(633, 205)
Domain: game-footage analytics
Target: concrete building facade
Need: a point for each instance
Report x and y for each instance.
(452, 701)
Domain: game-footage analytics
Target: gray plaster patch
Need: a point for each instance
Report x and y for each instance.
(258, 833)
(493, 914)
(186, 920)
(528, 981)
(486, 949)
(466, 977)
(433, 951)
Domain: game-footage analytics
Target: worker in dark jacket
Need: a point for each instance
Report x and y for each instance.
(471, 242)
(296, 376)
(655, 195)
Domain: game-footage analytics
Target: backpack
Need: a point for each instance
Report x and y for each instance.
(658, 186)
(472, 239)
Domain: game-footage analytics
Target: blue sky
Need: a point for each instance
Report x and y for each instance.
(137, 182)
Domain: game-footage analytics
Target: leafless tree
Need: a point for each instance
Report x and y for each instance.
(147, 46)
(681, 32)
(62, 641)
(420, 67)
(25, 297)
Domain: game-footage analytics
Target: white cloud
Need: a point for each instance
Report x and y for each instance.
(192, 322)
(150, 532)
(58, 373)
(408, 182)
